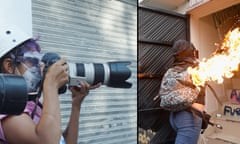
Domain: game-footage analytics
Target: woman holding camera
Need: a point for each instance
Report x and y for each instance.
(40, 123)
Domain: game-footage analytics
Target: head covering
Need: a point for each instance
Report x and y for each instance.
(180, 46)
(15, 24)
(184, 53)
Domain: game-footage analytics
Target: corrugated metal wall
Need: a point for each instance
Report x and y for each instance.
(86, 31)
(157, 30)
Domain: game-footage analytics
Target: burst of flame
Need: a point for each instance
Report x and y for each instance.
(223, 62)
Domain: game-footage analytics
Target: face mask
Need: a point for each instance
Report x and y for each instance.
(32, 77)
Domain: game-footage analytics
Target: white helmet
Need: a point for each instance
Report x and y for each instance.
(10, 37)
(15, 24)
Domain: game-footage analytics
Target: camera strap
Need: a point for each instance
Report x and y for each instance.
(35, 98)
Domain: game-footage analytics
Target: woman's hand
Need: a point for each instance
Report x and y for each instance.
(198, 106)
(57, 74)
(79, 92)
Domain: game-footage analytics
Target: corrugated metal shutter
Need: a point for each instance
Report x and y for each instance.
(99, 31)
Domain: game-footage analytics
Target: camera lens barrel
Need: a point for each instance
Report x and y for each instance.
(112, 74)
(119, 74)
(13, 94)
(93, 73)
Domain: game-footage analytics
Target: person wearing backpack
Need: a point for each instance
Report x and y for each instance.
(181, 97)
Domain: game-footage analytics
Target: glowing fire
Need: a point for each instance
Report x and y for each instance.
(223, 62)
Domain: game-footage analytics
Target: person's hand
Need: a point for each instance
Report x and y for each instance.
(57, 74)
(198, 106)
(79, 92)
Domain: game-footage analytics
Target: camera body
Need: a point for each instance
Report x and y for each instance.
(111, 74)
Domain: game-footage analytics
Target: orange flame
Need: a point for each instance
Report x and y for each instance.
(222, 64)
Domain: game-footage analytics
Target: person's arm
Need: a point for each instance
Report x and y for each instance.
(22, 130)
(78, 94)
(71, 132)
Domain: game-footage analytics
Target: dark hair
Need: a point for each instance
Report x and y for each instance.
(8, 55)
